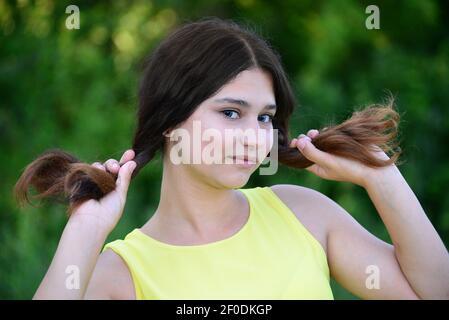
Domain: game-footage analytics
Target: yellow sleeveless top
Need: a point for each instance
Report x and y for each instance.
(273, 256)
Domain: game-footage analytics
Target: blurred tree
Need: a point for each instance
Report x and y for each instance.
(57, 85)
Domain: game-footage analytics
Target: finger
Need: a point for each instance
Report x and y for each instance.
(124, 177)
(127, 156)
(313, 168)
(312, 133)
(302, 135)
(112, 165)
(307, 148)
(293, 143)
(99, 166)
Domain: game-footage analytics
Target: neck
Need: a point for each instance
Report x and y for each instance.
(195, 208)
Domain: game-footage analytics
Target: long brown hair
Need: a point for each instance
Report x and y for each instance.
(188, 67)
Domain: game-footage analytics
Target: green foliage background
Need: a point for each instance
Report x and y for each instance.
(76, 90)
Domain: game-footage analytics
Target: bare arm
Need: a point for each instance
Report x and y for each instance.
(417, 257)
(359, 261)
(417, 246)
(111, 279)
(353, 253)
(73, 262)
(82, 240)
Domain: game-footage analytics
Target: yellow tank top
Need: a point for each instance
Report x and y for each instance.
(273, 256)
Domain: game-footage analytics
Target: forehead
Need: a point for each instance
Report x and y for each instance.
(254, 85)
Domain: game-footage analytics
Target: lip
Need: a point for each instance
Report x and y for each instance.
(243, 162)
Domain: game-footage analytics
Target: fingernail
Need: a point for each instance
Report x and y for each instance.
(301, 143)
(293, 142)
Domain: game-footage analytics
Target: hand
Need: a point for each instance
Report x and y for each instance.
(332, 167)
(106, 212)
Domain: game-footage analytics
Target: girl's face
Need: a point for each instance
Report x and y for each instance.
(230, 127)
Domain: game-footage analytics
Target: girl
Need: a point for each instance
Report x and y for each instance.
(212, 239)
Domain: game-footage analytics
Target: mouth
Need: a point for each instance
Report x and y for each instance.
(243, 160)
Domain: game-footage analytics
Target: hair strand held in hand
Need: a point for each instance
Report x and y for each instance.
(59, 176)
(358, 138)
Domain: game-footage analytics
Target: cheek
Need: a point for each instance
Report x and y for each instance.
(270, 139)
(267, 138)
(266, 142)
(214, 138)
(204, 135)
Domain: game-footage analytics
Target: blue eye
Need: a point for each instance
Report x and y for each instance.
(231, 114)
(268, 118)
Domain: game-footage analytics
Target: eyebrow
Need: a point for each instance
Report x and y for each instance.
(243, 103)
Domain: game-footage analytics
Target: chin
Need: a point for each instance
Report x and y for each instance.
(234, 179)
(226, 177)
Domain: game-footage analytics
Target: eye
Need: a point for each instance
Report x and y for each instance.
(232, 114)
(266, 118)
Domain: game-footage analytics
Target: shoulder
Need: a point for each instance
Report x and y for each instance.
(111, 279)
(314, 210)
(299, 195)
(293, 193)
